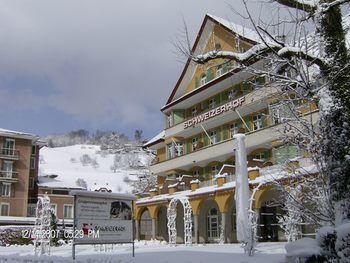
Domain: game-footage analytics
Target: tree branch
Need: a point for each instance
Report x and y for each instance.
(304, 5)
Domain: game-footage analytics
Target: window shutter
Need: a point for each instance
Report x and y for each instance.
(225, 132)
(260, 80)
(248, 121)
(206, 140)
(218, 99)
(188, 147)
(246, 87)
(218, 135)
(224, 95)
(210, 74)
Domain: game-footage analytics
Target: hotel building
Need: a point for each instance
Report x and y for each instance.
(19, 158)
(195, 151)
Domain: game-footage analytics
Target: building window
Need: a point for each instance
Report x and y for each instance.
(257, 122)
(213, 137)
(60, 192)
(31, 210)
(32, 162)
(169, 119)
(203, 79)
(196, 173)
(233, 129)
(213, 224)
(33, 149)
(212, 103)
(280, 112)
(260, 156)
(5, 189)
(231, 95)
(214, 170)
(171, 150)
(219, 71)
(194, 111)
(68, 211)
(217, 47)
(9, 147)
(194, 144)
(145, 225)
(4, 209)
(54, 208)
(179, 148)
(7, 169)
(31, 183)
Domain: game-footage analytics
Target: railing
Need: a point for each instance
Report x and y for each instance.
(207, 183)
(9, 174)
(9, 152)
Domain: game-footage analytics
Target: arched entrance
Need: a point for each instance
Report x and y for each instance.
(172, 213)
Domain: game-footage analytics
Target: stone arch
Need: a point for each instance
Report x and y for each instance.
(171, 215)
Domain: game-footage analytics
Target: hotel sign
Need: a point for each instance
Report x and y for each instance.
(232, 105)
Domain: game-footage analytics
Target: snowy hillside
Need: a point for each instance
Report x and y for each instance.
(63, 166)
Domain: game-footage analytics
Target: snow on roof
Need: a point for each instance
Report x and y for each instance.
(17, 133)
(64, 162)
(156, 138)
(238, 29)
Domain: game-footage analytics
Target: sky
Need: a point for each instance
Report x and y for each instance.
(94, 64)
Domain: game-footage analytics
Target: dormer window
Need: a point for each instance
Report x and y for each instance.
(219, 71)
(203, 79)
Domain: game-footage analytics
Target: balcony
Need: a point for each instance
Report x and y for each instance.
(9, 154)
(8, 176)
(223, 150)
(253, 101)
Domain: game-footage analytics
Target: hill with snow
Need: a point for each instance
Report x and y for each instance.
(61, 167)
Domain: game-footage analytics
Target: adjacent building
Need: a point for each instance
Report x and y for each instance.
(209, 104)
(19, 158)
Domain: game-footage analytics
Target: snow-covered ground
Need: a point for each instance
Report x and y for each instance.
(150, 252)
(65, 163)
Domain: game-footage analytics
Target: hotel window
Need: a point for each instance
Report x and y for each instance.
(68, 211)
(260, 156)
(279, 112)
(213, 137)
(257, 122)
(31, 210)
(233, 129)
(231, 95)
(32, 162)
(194, 144)
(171, 150)
(33, 150)
(203, 79)
(4, 209)
(215, 170)
(194, 111)
(5, 189)
(213, 224)
(179, 148)
(196, 173)
(212, 103)
(31, 183)
(219, 71)
(169, 119)
(217, 47)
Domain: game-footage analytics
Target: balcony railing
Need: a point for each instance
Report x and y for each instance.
(9, 153)
(9, 175)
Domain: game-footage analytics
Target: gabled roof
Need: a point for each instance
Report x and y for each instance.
(244, 33)
(156, 139)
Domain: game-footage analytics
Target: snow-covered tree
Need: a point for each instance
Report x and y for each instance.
(145, 180)
(81, 182)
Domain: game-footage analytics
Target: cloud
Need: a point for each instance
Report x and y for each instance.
(102, 62)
